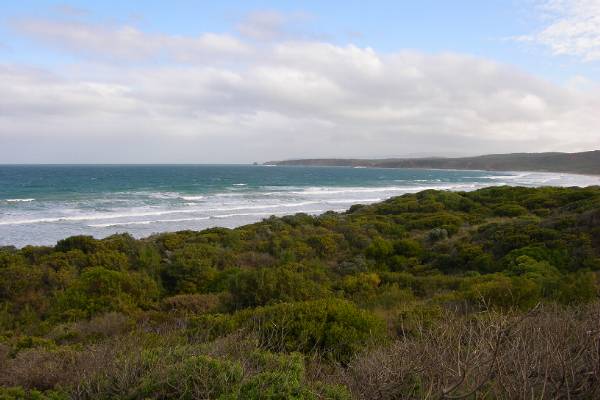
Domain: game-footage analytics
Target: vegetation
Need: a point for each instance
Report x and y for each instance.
(484, 294)
(587, 162)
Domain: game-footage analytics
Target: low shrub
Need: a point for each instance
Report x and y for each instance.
(191, 303)
(18, 393)
(195, 377)
(334, 328)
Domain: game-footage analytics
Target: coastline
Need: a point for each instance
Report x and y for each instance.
(583, 163)
(435, 169)
(102, 230)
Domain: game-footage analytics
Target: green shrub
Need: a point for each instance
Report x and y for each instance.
(380, 248)
(18, 393)
(195, 377)
(282, 376)
(87, 244)
(275, 386)
(211, 326)
(191, 303)
(331, 392)
(335, 328)
(279, 376)
(504, 292)
(30, 342)
(263, 286)
(361, 285)
(408, 248)
(577, 288)
(510, 210)
(100, 290)
(437, 234)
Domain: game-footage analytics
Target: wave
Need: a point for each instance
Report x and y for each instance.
(218, 216)
(101, 216)
(222, 216)
(352, 201)
(89, 217)
(162, 195)
(147, 222)
(263, 206)
(328, 191)
(230, 194)
(240, 184)
(511, 177)
(19, 200)
(312, 212)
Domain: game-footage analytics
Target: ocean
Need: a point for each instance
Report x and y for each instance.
(40, 204)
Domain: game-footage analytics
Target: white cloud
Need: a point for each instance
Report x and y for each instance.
(127, 42)
(275, 100)
(69, 10)
(572, 28)
(271, 25)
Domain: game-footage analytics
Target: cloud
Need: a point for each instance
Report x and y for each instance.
(572, 28)
(127, 43)
(70, 10)
(287, 98)
(268, 25)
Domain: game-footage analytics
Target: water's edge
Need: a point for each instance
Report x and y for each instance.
(42, 204)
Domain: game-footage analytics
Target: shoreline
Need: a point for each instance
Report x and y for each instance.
(433, 169)
(584, 163)
(313, 213)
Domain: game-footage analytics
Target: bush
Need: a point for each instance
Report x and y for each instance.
(87, 244)
(275, 386)
(510, 210)
(334, 328)
(101, 326)
(408, 248)
(18, 393)
(101, 290)
(279, 377)
(271, 285)
(437, 234)
(282, 377)
(578, 288)
(504, 292)
(196, 377)
(210, 326)
(191, 303)
(380, 248)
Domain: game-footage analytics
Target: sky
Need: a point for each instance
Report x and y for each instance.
(244, 81)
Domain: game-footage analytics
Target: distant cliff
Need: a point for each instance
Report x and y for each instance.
(579, 163)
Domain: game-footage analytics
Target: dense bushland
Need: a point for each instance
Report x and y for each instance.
(491, 293)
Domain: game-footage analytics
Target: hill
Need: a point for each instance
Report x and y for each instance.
(578, 163)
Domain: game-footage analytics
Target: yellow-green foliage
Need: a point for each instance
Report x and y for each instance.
(18, 393)
(336, 329)
(323, 286)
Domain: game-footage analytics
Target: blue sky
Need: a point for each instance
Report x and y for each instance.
(107, 63)
(481, 28)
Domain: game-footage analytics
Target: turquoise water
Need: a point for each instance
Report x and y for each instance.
(42, 204)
